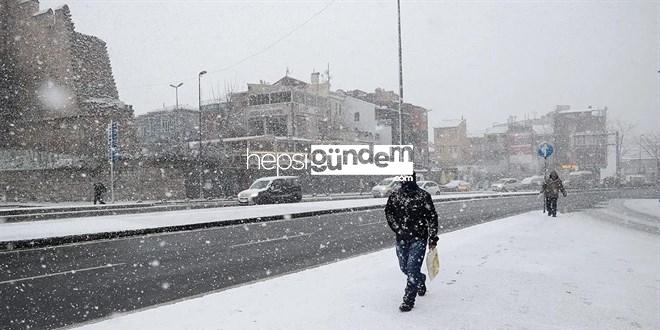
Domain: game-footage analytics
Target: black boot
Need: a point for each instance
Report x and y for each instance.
(421, 291)
(406, 307)
(408, 298)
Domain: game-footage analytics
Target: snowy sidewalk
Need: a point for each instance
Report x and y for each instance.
(115, 223)
(527, 271)
(647, 206)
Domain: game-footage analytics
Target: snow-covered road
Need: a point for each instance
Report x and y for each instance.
(526, 271)
(114, 223)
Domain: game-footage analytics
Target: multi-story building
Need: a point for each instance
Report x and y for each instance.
(415, 121)
(167, 130)
(451, 143)
(353, 121)
(580, 138)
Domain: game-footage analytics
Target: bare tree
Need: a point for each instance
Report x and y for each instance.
(624, 128)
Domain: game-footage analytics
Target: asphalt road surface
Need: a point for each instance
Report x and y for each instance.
(65, 285)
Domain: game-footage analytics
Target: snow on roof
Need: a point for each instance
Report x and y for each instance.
(542, 129)
(278, 177)
(105, 101)
(266, 137)
(476, 133)
(498, 129)
(42, 12)
(446, 123)
(592, 110)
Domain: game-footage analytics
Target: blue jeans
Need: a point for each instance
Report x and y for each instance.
(411, 256)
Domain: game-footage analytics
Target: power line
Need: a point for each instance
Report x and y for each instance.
(261, 51)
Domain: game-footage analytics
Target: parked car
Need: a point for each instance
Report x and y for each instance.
(456, 186)
(534, 182)
(385, 187)
(506, 184)
(636, 180)
(273, 189)
(430, 186)
(581, 179)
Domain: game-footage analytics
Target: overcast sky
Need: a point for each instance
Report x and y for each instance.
(483, 60)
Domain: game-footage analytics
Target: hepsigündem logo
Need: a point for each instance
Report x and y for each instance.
(339, 160)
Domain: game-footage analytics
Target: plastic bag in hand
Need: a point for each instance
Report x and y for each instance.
(432, 263)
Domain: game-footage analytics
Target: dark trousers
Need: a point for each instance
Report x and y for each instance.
(411, 257)
(97, 197)
(551, 205)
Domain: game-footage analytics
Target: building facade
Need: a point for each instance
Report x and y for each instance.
(57, 97)
(57, 91)
(451, 143)
(580, 138)
(414, 121)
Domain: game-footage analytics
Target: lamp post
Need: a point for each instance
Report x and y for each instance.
(398, 9)
(201, 167)
(176, 88)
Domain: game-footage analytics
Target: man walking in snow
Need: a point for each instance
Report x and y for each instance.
(99, 189)
(411, 216)
(551, 188)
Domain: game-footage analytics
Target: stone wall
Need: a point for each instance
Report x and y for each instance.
(91, 64)
(133, 181)
(62, 92)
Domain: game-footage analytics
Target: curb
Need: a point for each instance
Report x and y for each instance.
(89, 211)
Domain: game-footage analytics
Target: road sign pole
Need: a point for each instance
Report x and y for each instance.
(111, 159)
(112, 180)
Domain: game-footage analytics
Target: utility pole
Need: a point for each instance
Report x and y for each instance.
(201, 167)
(639, 164)
(176, 88)
(398, 9)
(618, 156)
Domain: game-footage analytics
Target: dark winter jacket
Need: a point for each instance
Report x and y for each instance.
(410, 213)
(99, 188)
(552, 186)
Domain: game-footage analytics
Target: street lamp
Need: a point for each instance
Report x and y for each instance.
(398, 9)
(201, 167)
(176, 88)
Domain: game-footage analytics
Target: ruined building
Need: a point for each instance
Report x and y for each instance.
(57, 92)
(57, 96)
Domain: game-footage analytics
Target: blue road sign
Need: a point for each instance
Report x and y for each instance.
(113, 141)
(545, 150)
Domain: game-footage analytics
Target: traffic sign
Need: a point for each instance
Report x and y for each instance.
(545, 150)
(113, 140)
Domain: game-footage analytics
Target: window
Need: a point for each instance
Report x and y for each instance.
(356, 116)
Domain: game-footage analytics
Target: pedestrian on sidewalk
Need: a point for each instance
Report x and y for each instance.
(99, 189)
(411, 216)
(551, 188)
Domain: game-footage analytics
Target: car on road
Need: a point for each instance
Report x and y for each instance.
(532, 183)
(430, 186)
(456, 186)
(636, 181)
(273, 189)
(581, 180)
(505, 184)
(385, 187)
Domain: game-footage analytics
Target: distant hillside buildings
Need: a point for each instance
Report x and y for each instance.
(579, 137)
